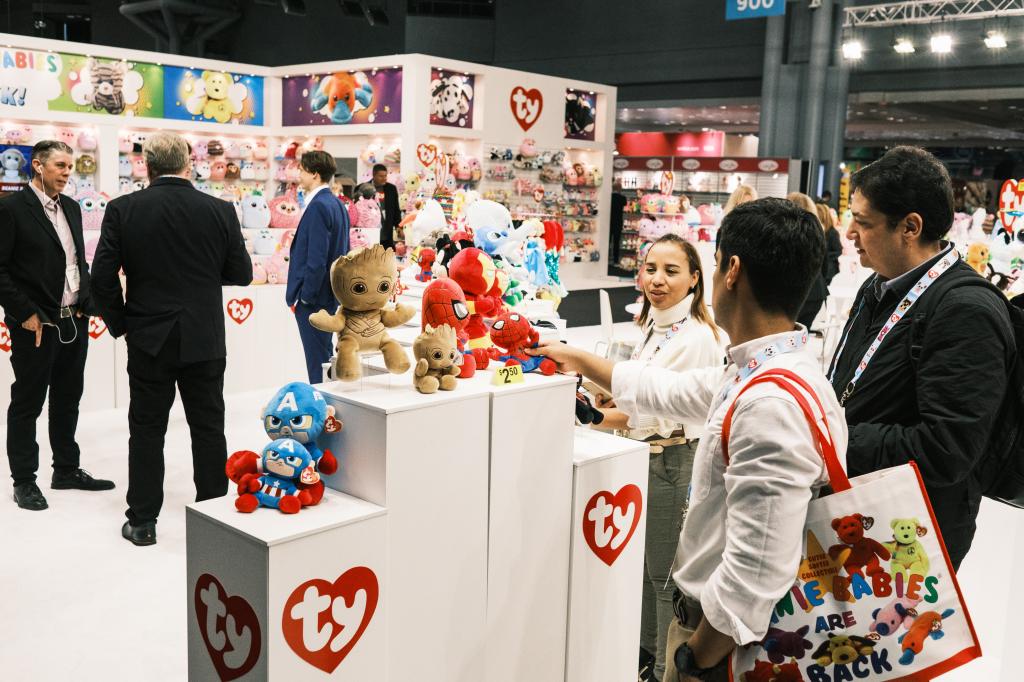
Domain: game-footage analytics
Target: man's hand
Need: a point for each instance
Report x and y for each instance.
(33, 324)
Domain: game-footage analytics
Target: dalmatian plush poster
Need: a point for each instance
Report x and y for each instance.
(451, 98)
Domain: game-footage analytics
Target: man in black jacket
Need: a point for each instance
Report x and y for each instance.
(177, 247)
(44, 291)
(931, 392)
(387, 198)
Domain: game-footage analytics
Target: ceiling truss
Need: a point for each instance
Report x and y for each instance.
(929, 11)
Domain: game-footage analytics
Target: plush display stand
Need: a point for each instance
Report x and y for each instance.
(250, 575)
(424, 458)
(609, 511)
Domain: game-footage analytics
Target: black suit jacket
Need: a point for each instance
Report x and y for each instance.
(32, 260)
(177, 247)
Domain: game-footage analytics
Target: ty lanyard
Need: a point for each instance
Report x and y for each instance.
(789, 343)
(665, 339)
(948, 261)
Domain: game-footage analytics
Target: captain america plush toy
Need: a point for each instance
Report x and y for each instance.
(287, 464)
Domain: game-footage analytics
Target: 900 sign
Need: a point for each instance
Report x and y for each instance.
(753, 9)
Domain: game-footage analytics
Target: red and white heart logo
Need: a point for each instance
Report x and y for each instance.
(5, 338)
(427, 154)
(526, 106)
(332, 425)
(239, 309)
(1011, 200)
(97, 327)
(322, 621)
(230, 629)
(609, 521)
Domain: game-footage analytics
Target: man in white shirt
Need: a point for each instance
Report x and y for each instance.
(742, 540)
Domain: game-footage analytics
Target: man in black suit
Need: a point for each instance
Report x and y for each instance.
(44, 282)
(387, 198)
(177, 247)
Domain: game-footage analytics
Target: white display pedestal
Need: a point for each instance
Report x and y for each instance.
(424, 457)
(246, 573)
(606, 574)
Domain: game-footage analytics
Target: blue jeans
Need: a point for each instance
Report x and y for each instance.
(317, 345)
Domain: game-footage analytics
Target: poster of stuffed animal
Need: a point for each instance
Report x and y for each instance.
(580, 114)
(28, 80)
(343, 97)
(110, 86)
(451, 98)
(14, 160)
(212, 96)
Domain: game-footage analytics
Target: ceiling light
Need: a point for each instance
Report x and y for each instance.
(942, 43)
(995, 40)
(853, 49)
(904, 46)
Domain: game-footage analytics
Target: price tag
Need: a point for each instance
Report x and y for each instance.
(513, 374)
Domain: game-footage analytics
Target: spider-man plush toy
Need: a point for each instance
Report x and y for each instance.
(425, 259)
(444, 303)
(515, 334)
(474, 271)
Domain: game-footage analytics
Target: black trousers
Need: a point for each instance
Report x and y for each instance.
(54, 367)
(151, 381)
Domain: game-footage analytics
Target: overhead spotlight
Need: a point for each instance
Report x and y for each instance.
(904, 46)
(853, 49)
(995, 40)
(295, 8)
(942, 43)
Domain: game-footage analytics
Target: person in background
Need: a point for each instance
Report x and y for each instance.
(391, 212)
(743, 536)
(741, 195)
(178, 247)
(833, 244)
(679, 334)
(321, 237)
(819, 290)
(44, 282)
(826, 197)
(931, 390)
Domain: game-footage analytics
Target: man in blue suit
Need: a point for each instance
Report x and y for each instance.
(321, 238)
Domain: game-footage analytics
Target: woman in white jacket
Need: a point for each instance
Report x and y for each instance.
(678, 333)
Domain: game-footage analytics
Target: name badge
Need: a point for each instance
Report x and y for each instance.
(73, 277)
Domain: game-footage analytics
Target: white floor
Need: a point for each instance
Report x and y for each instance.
(82, 603)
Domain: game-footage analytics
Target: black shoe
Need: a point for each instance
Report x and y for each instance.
(140, 535)
(79, 479)
(29, 496)
(646, 672)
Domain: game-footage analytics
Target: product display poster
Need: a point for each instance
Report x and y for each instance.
(451, 98)
(580, 115)
(343, 97)
(122, 88)
(28, 80)
(212, 96)
(15, 161)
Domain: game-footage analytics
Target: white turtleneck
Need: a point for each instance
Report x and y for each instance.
(692, 346)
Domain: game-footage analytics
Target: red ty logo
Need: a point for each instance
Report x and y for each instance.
(239, 309)
(5, 338)
(609, 521)
(97, 327)
(230, 629)
(526, 106)
(322, 621)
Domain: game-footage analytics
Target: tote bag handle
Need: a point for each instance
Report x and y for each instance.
(784, 379)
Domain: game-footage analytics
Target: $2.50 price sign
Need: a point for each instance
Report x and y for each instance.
(753, 9)
(512, 374)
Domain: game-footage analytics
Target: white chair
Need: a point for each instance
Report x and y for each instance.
(614, 348)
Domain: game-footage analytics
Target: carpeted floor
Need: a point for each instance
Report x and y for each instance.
(581, 308)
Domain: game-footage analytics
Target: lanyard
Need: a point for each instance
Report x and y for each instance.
(789, 343)
(927, 279)
(676, 326)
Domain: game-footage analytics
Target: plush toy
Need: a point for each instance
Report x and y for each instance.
(277, 268)
(260, 152)
(200, 150)
(265, 243)
(216, 96)
(365, 212)
(763, 672)
(231, 150)
(427, 218)
(124, 185)
(978, 257)
(139, 185)
(490, 240)
(897, 613)
(218, 169)
(474, 271)
(124, 144)
(425, 259)
(908, 555)
(444, 303)
(232, 171)
(291, 172)
(255, 212)
(341, 93)
(261, 170)
(247, 171)
(475, 171)
(437, 358)
(284, 212)
(203, 170)
(245, 150)
(259, 274)
(450, 97)
(286, 463)
(93, 205)
(362, 282)
(927, 624)
(842, 650)
(139, 167)
(514, 333)
(12, 160)
(780, 645)
(358, 237)
(864, 552)
(214, 148)
(554, 241)
(106, 81)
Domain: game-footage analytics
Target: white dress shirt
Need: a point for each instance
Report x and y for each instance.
(312, 193)
(761, 498)
(53, 211)
(692, 346)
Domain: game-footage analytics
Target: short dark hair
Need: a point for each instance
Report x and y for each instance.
(909, 180)
(319, 163)
(378, 167)
(781, 247)
(44, 148)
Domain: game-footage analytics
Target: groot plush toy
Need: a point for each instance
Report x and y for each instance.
(363, 281)
(437, 354)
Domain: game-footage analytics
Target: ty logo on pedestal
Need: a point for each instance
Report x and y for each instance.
(239, 309)
(5, 338)
(322, 621)
(230, 629)
(609, 521)
(97, 327)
